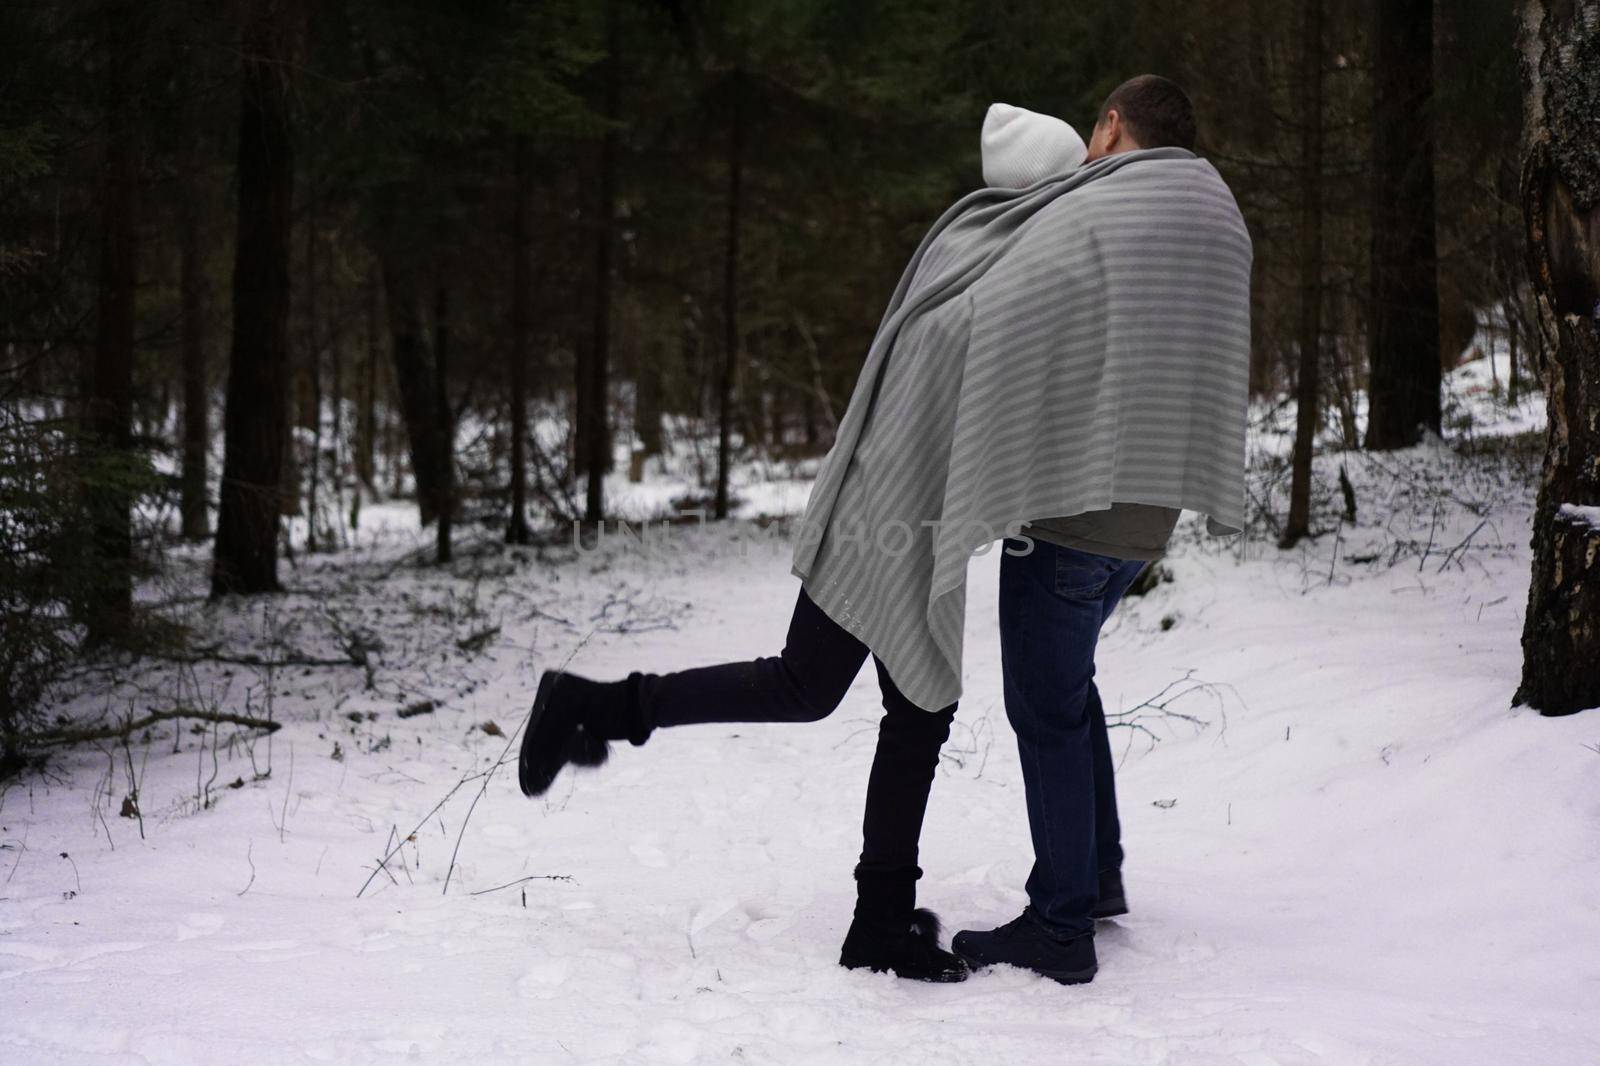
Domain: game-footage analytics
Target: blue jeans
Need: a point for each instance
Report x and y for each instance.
(1053, 602)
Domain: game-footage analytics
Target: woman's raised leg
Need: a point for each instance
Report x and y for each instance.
(574, 719)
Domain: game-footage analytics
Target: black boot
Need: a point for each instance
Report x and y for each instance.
(572, 721)
(1113, 900)
(1026, 943)
(890, 933)
(906, 947)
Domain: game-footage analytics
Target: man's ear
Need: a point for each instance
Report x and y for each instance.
(1113, 121)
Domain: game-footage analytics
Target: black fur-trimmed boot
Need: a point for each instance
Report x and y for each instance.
(890, 933)
(573, 721)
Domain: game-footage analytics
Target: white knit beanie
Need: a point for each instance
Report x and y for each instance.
(1022, 147)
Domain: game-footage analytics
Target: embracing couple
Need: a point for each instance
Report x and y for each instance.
(1065, 362)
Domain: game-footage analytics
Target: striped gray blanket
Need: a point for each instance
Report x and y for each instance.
(1047, 352)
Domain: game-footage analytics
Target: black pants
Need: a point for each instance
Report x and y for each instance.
(805, 683)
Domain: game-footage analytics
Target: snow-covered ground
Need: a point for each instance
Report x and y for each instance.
(1349, 850)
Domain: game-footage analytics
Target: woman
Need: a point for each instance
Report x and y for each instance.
(574, 719)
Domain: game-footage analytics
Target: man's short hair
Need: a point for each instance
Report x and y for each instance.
(1155, 111)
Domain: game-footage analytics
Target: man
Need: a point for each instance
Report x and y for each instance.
(1054, 599)
(1074, 356)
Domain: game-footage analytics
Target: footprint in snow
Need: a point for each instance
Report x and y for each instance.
(269, 950)
(649, 855)
(22, 950)
(501, 833)
(672, 1041)
(544, 979)
(200, 924)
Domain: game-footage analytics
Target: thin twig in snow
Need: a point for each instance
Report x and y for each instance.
(22, 847)
(522, 881)
(288, 787)
(489, 774)
(1450, 555)
(247, 858)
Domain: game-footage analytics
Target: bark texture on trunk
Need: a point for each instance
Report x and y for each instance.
(255, 427)
(1560, 48)
(1309, 392)
(1404, 336)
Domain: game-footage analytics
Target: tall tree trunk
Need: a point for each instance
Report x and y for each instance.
(302, 394)
(367, 420)
(193, 337)
(110, 398)
(777, 416)
(594, 431)
(692, 354)
(393, 419)
(245, 558)
(730, 298)
(336, 408)
(1405, 379)
(415, 378)
(1309, 392)
(445, 421)
(289, 503)
(256, 416)
(1560, 48)
(1339, 360)
(647, 400)
(1513, 343)
(517, 531)
(313, 370)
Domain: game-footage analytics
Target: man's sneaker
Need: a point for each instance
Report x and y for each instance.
(1024, 942)
(908, 948)
(1113, 901)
